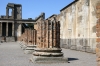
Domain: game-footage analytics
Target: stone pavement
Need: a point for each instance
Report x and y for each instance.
(12, 55)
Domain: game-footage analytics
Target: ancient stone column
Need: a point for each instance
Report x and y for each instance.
(30, 47)
(0, 28)
(54, 34)
(47, 34)
(35, 37)
(12, 29)
(7, 12)
(7, 29)
(48, 45)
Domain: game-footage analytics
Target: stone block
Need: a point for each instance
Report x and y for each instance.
(73, 47)
(98, 40)
(98, 6)
(98, 30)
(79, 48)
(98, 59)
(98, 15)
(98, 64)
(98, 34)
(97, 50)
(98, 11)
(98, 45)
(29, 49)
(98, 54)
(86, 49)
(39, 59)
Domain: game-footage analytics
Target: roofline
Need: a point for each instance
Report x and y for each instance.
(13, 4)
(18, 20)
(41, 15)
(69, 5)
(52, 16)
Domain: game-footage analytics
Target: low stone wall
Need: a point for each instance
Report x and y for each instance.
(80, 44)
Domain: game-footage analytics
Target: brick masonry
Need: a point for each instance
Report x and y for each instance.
(29, 37)
(98, 34)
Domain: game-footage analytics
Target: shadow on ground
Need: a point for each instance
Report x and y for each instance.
(72, 59)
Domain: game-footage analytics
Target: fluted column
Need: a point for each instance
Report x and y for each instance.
(51, 46)
(47, 36)
(7, 29)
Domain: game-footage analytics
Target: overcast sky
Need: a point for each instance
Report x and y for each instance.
(33, 8)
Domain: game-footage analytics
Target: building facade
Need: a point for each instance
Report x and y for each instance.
(11, 23)
(78, 25)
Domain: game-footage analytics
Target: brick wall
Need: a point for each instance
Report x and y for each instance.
(98, 34)
(29, 37)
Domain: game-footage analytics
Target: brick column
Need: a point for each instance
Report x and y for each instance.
(45, 50)
(7, 29)
(12, 29)
(47, 35)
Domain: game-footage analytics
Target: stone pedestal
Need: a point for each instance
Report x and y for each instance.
(39, 59)
(22, 44)
(29, 49)
(48, 55)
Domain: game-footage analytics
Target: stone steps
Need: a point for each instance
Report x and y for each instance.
(10, 39)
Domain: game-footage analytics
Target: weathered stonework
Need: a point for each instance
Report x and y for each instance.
(78, 25)
(98, 33)
(29, 39)
(11, 25)
(48, 42)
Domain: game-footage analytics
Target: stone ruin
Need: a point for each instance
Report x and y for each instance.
(98, 33)
(30, 41)
(43, 42)
(48, 42)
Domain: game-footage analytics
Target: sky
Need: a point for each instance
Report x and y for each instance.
(33, 8)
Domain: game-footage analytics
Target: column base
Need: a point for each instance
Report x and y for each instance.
(48, 55)
(29, 49)
(23, 45)
(39, 59)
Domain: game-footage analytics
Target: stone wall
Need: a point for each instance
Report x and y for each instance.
(78, 26)
(98, 33)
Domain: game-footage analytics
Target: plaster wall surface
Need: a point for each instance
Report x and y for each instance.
(78, 26)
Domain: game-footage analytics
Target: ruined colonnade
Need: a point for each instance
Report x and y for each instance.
(6, 29)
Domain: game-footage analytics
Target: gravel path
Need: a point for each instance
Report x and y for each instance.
(12, 55)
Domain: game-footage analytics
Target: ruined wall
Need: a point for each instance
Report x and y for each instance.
(78, 26)
(98, 32)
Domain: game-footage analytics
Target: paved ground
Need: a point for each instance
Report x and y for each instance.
(12, 55)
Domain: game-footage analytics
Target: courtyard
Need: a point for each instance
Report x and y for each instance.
(11, 54)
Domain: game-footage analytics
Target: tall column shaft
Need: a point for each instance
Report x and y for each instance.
(12, 29)
(34, 37)
(7, 29)
(47, 36)
(1, 29)
(7, 12)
